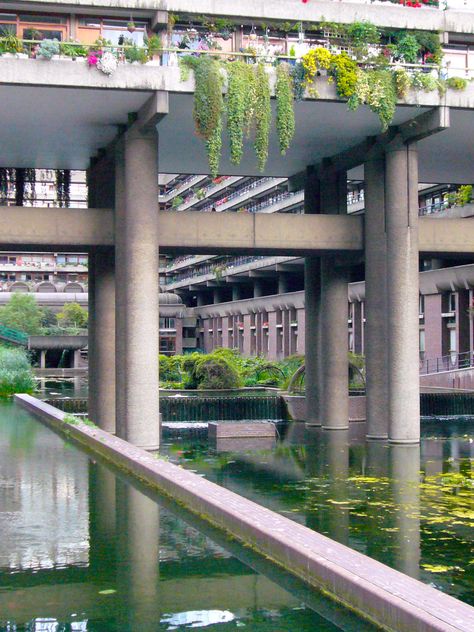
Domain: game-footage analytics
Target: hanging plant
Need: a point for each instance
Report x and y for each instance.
(107, 63)
(131, 26)
(375, 88)
(402, 82)
(344, 70)
(208, 105)
(262, 115)
(285, 114)
(240, 97)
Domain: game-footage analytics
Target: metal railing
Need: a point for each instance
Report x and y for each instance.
(13, 335)
(449, 362)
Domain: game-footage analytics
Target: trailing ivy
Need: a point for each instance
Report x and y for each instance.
(208, 105)
(402, 83)
(285, 114)
(344, 70)
(262, 115)
(240, 93)
(376, 88)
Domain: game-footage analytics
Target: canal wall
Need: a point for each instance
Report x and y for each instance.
(388, 598)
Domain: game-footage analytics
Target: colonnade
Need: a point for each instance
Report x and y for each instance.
(391, 273)
(124, 325)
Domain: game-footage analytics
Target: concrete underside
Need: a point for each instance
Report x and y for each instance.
(391, 599)
(78, 110)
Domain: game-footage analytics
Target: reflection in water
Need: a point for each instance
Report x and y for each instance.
(407, 506)
(84, 550)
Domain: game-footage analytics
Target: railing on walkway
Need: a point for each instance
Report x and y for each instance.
(447, 363)
(13, 335)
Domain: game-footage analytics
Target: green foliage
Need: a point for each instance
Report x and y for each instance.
(408, 49)
(170, 368)
(402, 83)
(75, 420)
(376, 88)
(208, 105)
(344, 70)
(153, 45)
(134, 53)
(285, 115)
(177, 201)
(240, 96)
(73, 315)
(429, 42)
(216, 373)
(456, 83)
(22, 313)
(262, 115)
(298, 74)
(72, 49)
(16, 375)
(461, 197)
(9, 42)
(48, 48)
(425, 81)
(361, 35)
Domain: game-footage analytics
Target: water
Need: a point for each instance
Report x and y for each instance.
(410, 507)
(84, 549)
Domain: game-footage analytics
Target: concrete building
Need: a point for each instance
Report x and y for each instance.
(109, 121)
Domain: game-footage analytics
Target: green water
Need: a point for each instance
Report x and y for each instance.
(82, 549)
(411, 507)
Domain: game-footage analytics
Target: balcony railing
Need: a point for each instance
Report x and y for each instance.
(447, 363)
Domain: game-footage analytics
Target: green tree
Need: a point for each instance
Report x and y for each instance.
(73, 315)
(22, 313)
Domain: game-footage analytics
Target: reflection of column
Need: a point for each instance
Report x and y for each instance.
(43, 359)
(378, 519)
(405, 478)
(138, 548)
(102, 532)
(335, 447)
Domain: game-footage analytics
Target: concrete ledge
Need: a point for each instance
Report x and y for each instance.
(383, 595)
(234, 431)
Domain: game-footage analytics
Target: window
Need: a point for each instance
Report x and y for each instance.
(167, 323)
(421, 305)
(452, 302)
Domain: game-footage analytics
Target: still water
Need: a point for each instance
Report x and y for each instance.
(411, 507)
(83, 549)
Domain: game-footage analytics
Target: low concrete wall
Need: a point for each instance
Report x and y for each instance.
(57, 342)
(459, 379)
(389, 598)
(297, 407)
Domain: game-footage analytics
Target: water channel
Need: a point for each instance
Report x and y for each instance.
(83, 548)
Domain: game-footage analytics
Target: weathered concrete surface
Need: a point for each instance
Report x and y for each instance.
(191, 232)
(241, 430)
(382, 15)
(57, 342)
(297, 407)
(388, 597)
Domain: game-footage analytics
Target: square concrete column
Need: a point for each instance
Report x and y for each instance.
(137, 289)
(376, 352)
(401, 204)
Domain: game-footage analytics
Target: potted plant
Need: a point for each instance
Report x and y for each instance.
(10, 44)
(131, 27)
(48, 49)
(154, 46)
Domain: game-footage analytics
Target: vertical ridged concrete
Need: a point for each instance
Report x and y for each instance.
(376, 351)
(312, 297)
(335, 392)
(334, 403)
(101, 350)
(401, 201)
(137, 264)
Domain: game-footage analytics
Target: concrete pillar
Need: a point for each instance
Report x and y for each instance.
(283, 283)
(312, 288)
(334, 401)
(257, 288)
(236, 294)
(334, 404)
(200, 300)
(76, 359)
(217, 295)
(101, 350)
(43, 358)
(401, 203)
(376, 341)
(272, 335)
(137, 289)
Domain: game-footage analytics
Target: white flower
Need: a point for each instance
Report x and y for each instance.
(107, 63)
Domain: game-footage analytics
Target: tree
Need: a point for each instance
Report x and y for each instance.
(73, 315)
(22, 313)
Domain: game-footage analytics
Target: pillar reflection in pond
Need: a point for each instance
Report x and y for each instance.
(379, 520)
(405, 477)
(102, 529)
(138, 547)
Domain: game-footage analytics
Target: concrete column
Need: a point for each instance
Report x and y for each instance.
(376, 341)
(312, 287)
(200, 301)
(283, 283)
(236, 294)
(43, 359)
(76, 359)
(334, 406)
(137, 289)
(217, 295)
(272, 336)
(257, 288)
(401, 203)
(101, 350)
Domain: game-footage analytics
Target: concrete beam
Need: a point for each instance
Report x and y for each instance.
(51, 229)
(151, 113)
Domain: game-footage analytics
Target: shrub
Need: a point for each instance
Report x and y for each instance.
(48, 48)
(456, 83)
(216, 373)
(170, 369)
(16, 375)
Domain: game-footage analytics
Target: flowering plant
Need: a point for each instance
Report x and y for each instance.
(107, 63)
(93, 57)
